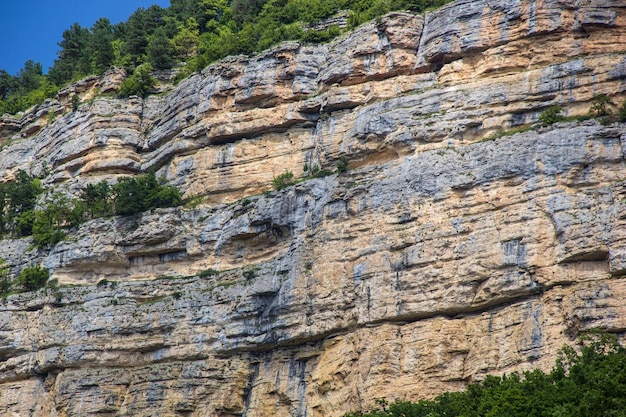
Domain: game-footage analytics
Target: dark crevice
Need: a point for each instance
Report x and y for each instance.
(247, 392)
(599, 255)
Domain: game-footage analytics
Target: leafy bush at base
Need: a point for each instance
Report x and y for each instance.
(591, 383)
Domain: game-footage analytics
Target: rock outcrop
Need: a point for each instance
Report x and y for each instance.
(442, 255)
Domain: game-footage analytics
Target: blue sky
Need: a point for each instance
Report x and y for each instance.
(32, 29)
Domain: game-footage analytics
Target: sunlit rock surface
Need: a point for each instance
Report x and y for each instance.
(442, 255)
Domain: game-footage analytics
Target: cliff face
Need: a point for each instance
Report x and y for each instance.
(436, 259)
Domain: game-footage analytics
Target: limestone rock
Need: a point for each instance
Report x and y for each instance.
(444, 254)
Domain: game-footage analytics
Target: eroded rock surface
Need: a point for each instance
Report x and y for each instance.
(436, 259)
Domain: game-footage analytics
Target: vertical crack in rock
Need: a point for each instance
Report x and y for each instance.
(248, 391)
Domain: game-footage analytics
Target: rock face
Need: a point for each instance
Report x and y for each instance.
(438, 258)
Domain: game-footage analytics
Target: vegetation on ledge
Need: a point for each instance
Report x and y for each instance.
(30, 278)
(46, 223)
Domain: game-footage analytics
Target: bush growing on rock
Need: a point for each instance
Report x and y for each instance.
(551, 115)
(75, 102)
(208, 273)
(32, 278)
(133, 195)
(316, 172)
(600, 106)
(342, 165)
(49, 223)
(283, 181)
(17, 202)
(24, 224)
(96, 200)
(5, 280)
(138, 84)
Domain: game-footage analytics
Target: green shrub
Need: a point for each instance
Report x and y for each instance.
(250, 273)
(342, 165)
(17, 201)
(320, 36)
(49, 223)
(102, 283)
(140, 83)
(45, 232)
(314, 171)
(600, 106)
(28, 90)
(283, 181)
(133, 195)
(551, 115)
(32, 278)
(325, 172)
(24, 224)
(208, 273)
(165, 195)
(96, 200)
(75, 102)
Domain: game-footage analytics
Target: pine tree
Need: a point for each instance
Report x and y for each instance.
(74, 57)
(101, 38)
(160, 51)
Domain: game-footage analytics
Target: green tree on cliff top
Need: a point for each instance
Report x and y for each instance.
(190, 32)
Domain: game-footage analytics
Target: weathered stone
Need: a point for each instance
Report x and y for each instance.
(437, 259)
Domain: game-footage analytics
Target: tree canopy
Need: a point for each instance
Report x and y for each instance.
(192, 33)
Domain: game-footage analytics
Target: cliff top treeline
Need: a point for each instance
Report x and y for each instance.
(193, 32)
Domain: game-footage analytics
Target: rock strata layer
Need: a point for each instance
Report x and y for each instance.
(441, 256)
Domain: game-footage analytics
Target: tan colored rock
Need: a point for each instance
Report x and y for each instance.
(437, 259)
